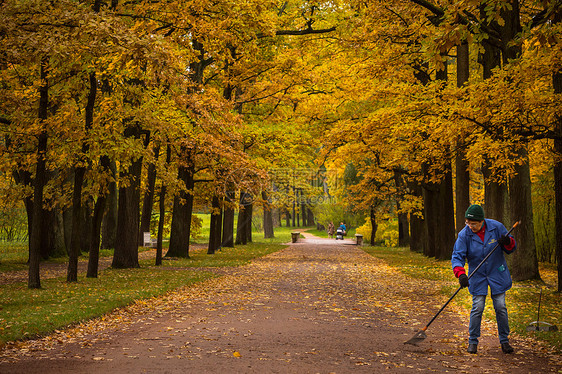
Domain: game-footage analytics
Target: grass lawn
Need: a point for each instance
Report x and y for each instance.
(13, 256)
(522, 300)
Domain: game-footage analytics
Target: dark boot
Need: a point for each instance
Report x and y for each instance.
(473, 348)
(506, 348)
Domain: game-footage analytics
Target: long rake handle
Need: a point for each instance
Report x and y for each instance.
(469, 276)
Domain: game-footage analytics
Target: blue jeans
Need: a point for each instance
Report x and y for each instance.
(478, 303)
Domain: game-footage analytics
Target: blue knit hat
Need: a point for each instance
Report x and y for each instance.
(474, 213)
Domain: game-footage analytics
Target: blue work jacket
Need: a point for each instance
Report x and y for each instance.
(470, 248)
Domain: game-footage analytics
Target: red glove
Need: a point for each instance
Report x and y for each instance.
(458, 270)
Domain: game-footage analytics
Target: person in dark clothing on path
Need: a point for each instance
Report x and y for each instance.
(474, 242)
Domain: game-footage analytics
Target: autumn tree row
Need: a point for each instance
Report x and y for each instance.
(107, 103)
(432, 98)
(425, 99)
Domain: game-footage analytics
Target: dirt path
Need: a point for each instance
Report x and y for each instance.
(319, 306)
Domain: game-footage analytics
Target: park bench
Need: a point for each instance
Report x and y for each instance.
(358, 239)
(295, 236)
(147, 241)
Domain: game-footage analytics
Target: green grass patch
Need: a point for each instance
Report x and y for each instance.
(413, 264)
(13, 256)
(26, 313)
(522, 300)
(319, 233)
(281, 235)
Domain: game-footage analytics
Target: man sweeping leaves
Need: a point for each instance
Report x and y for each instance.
(474, 242)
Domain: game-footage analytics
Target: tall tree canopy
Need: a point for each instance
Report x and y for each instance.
(200, 99)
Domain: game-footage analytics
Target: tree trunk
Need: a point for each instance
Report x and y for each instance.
(303, 209)
(420, 241)
(162, 215)
(248, 224)
(403, 232)
(310, 216)
(34, 280)
(76, 235)
(36, 232)
(276, 216)
(86, 210)
(47, 227)
(59, 248)
(463, 64)
(490, 58)
(181, 216)
(430, 212)
(557, 83)
(215, 237)
(67, 227)
(244, 227)
(162, 210)
(509, 31)
(219, 225)
(374, 226)
(148, 197)
(462, 187)
(495, 196)
(558, 198)
(240, 232)
(79, 223)
(439, 217)
(28, 201)
(446, 216)
(99, 209)
(446, 213)
(523, 263)
(417, 233)
(126, 254)
(462, 175)
(228, 220)
(417, 224)
(267, 217)
(294, 208)
(94, 252)
(495, 193)
(52, 232)
(87, 217)
(109, 224)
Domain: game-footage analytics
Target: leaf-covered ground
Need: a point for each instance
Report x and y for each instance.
(319, 306)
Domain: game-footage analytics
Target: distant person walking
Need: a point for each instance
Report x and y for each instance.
(331, 230)
(474, 242)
